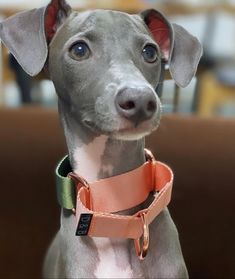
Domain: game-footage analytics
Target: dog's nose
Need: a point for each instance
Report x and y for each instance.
(136, 104)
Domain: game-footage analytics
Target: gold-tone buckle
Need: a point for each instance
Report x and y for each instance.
(78, 180)
(149, 155)
(142, 251)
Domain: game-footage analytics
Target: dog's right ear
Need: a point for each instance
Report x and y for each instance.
(27, 34)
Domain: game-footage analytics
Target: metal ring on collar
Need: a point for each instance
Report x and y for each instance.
(142, 251)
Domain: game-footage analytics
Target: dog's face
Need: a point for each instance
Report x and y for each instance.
(105, 65)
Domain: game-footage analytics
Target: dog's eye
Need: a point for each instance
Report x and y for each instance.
(150, 53)
(80, 51)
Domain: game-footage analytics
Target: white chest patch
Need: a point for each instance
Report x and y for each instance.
(88, 158)
(113, 257)
(108, 265)
(108, 169)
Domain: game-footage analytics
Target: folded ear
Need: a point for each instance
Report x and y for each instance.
(27, 34)
(180, 49)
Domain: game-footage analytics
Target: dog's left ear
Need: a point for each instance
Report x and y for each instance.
(180, 49)
(27, 34)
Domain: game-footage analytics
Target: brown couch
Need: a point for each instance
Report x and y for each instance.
(201, 152)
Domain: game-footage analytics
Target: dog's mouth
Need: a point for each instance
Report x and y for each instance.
(135, 132)
(124, 131)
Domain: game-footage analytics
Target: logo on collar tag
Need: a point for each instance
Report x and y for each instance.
(84, 224)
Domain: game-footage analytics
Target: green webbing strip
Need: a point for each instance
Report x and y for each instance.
(66, 193)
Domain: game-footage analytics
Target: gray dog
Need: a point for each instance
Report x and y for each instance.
(105, 66)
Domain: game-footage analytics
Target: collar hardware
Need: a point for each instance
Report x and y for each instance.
(149, 155)
(96, 205)
(142, 251)
(79, 181)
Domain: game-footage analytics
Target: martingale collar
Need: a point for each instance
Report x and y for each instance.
(95, 204)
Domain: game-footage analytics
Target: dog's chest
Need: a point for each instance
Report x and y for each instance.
(114, 259)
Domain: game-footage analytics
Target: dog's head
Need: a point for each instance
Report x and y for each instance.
(105, 65)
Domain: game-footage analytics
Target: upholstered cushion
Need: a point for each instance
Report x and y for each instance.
(201, 152)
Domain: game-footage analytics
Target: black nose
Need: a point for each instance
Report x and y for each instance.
(136, 104)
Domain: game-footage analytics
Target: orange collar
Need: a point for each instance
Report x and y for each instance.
(96, 203)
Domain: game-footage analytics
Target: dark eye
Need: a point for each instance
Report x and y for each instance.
(150, 53)
(80, 51)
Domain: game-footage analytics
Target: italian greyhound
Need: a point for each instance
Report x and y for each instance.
(105, 66)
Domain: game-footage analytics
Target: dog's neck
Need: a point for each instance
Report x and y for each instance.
(95, 156)
(104, 157)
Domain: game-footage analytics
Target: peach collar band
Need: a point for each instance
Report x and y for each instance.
(96, 205)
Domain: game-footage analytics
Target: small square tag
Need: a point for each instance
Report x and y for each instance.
(84, 224)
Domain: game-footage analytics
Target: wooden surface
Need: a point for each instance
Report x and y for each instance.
(131, 6)
(213, 95)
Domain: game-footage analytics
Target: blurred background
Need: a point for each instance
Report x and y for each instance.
(196, 137)
(213, 22)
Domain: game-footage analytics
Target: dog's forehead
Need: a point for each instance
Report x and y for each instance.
(107, 21)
